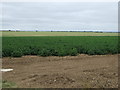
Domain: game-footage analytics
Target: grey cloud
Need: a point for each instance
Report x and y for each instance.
(60, 16)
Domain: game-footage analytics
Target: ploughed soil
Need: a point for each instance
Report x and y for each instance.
(82, 71)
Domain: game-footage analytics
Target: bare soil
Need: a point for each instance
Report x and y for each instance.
(82, 71)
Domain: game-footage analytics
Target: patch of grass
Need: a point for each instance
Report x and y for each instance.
(7, 84)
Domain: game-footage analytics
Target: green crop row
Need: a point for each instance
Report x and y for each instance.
(59, 46)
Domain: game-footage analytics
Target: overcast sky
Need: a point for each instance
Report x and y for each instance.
(60, 16)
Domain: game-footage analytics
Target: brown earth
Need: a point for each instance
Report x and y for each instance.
(83, 71)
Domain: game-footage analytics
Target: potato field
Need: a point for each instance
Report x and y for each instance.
(59, 45)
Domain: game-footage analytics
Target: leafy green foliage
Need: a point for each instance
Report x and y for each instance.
(16, 53)
(73, 52)
(6, 84)
(60, 46)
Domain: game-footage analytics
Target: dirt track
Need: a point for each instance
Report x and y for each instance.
(81, 71)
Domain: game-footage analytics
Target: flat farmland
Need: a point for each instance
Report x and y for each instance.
(61, 60)
(5, 33)
(59, 46)
(82, 71)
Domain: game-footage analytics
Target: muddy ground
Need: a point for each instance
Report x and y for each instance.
(80, 71)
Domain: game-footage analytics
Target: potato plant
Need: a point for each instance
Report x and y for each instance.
(59, 45)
